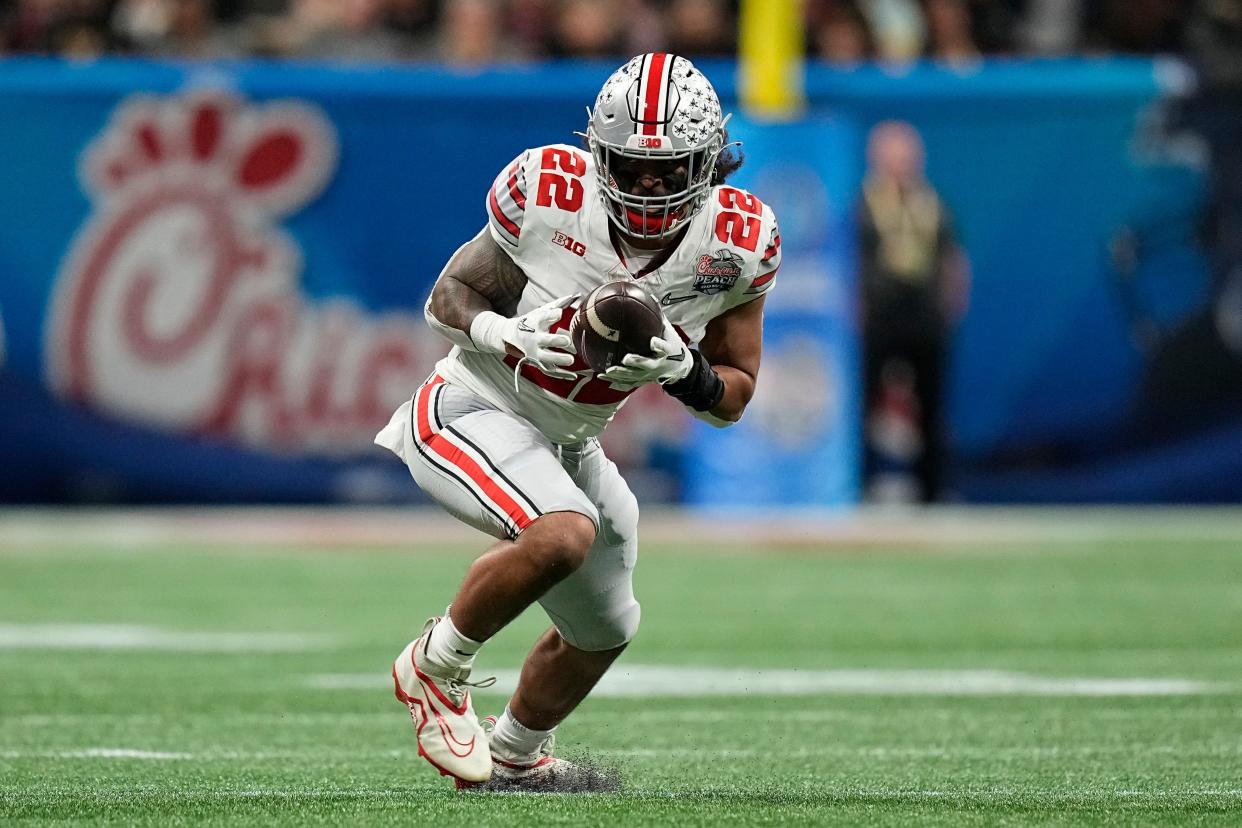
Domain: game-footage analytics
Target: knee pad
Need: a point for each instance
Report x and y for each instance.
(599, 633)
(618, 522)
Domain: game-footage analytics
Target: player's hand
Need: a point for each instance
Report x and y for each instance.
(530, 335)
(670, 361)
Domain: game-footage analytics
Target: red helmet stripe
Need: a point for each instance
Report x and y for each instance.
(654, 96)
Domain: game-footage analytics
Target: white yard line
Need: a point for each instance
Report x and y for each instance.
(657, 681)
(139, 637)
(690, 714)
(29, 529)
(826, 751)
(100, 753)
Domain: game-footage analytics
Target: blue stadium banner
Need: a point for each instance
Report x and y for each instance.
(797, 444)
(211, 279)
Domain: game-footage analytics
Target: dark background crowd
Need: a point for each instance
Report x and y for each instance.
(475, 32)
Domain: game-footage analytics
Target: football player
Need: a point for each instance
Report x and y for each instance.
(504, 433)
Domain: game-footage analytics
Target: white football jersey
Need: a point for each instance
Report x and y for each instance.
(545, 212)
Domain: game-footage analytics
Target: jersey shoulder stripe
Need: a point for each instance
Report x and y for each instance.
(509, 211)
(506, 202)
(765, 274)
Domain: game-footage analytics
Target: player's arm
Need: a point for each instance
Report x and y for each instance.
(721, 381)
(472, 303)
(732, 347)
(480, 277)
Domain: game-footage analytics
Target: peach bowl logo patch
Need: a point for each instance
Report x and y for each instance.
(178, 303)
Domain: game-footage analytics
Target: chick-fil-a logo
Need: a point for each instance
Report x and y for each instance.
(178, 303)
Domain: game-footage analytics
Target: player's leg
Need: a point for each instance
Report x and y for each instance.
(928, 356)
(512, 575)
(595, 616)
(498, 474)
(556, 677)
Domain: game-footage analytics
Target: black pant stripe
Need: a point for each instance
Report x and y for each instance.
(456, 474)
(530, 504)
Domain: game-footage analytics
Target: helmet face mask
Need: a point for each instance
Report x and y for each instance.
(656, 116)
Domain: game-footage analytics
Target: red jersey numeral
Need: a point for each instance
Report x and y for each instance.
(739, 228)
(747, 203)
(586, 388)
(565, 191)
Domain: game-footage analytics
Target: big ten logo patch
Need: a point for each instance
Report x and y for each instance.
(178, 304)
(569, 243)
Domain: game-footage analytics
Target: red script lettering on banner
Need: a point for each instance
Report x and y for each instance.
(178, 304)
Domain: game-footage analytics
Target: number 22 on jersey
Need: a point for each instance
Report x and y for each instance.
(565, 191)
(739, 227)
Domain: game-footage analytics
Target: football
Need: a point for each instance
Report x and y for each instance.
(617, 318)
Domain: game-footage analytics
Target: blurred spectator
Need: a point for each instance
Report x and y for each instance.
(81, 30)
(174, 28)
(1134, 26)
(698, 28)
(1195, 375)
(529, 22)
(72, 28)
(897, 27)
(413, 18)
(994, 23)
(586, 28)
(346, 30)
(838, 33)
(644, 28)
(1051, 27)
(949, 33)
(472, 33)
(913, 292)
(27, 25)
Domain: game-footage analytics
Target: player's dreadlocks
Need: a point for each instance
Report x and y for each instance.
(728, 162)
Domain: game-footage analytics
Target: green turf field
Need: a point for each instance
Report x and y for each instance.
(1078, 681)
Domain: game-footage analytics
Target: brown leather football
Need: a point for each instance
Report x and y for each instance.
(617, 318)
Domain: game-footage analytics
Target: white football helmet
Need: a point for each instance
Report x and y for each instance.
(656, 106)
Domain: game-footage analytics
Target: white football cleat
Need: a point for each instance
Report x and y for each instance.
(449, 735)
(541, 773)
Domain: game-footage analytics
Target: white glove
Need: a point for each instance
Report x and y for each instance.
(670, 361)
(530, 335)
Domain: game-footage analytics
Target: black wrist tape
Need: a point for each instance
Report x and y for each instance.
(701, 389)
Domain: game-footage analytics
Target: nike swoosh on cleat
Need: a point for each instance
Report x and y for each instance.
(450, 738)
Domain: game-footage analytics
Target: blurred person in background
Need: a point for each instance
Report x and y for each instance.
(913, 279)
(472, 33)
(898, 28)
(24, 24)
(70, 28)
(1194, 380)
(838, 33)
(413, 18)
(529, 22)
(1050, 27)
(344, 30)
(175, 28)
(950, 35)
(701, 28)
(1141, 27)
(994, 23)
(586, 29)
